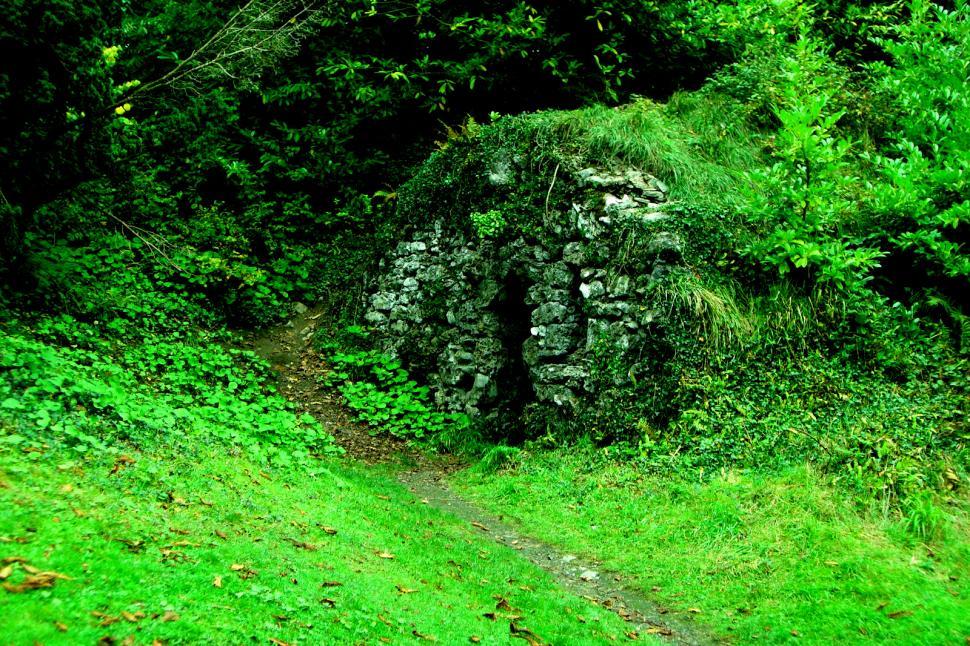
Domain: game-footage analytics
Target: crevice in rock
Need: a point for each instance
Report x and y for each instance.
(514, 318)
(548, 316)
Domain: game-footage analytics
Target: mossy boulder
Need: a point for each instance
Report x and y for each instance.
(550, 304)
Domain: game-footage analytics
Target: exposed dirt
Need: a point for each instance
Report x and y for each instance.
(300, 368)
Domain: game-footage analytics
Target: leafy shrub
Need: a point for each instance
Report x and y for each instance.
(489, 224)
(56, 395)
(382, 393)
(802, 203)
(922, 198)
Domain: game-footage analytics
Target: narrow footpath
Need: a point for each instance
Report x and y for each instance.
(288, 349)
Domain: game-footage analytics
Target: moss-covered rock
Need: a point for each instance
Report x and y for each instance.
(526, 276)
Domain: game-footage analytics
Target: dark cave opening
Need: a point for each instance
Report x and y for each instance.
(515, 389)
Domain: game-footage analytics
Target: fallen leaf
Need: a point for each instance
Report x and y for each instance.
(331, 584)
(172, 555)
(221, 534)
(502, 604)
(303, 545)
(134, 546)
(245, 572)
(795, 633)
(385, 555)
(899, 614)
(217, 582)
(429, 638)
(121, 463)
(5, 572)
(328, 530)
(133, 617)
(479, 526)
(330, 603)
(404, 590)
(278, 642)
(61, 627)
(106, 620)
(633, 635)
(660, 630)
(170, 616)
(13, 559)
(475, 639)
(524, 633)
(35, 582)
(695, 611)
(68, 488)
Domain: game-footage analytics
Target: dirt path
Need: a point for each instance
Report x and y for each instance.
(300, 367)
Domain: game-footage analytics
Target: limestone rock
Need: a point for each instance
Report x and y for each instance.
(525, 317)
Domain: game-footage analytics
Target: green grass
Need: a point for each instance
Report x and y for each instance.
(154, 536)
(701, 146)
(759, 556)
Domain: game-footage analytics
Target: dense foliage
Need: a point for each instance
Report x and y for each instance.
(167, 171)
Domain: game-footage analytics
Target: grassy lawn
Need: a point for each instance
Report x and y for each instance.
(208, 549)
(772, 558)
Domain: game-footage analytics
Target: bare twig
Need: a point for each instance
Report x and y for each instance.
(555, 175)
(154, 241)
(256, 36)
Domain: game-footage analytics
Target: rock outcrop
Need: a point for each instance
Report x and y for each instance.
(555, 313)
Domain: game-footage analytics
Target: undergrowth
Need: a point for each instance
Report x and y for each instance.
(135, 361)
(384, 395)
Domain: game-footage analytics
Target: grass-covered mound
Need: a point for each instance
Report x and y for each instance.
(786, 333)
